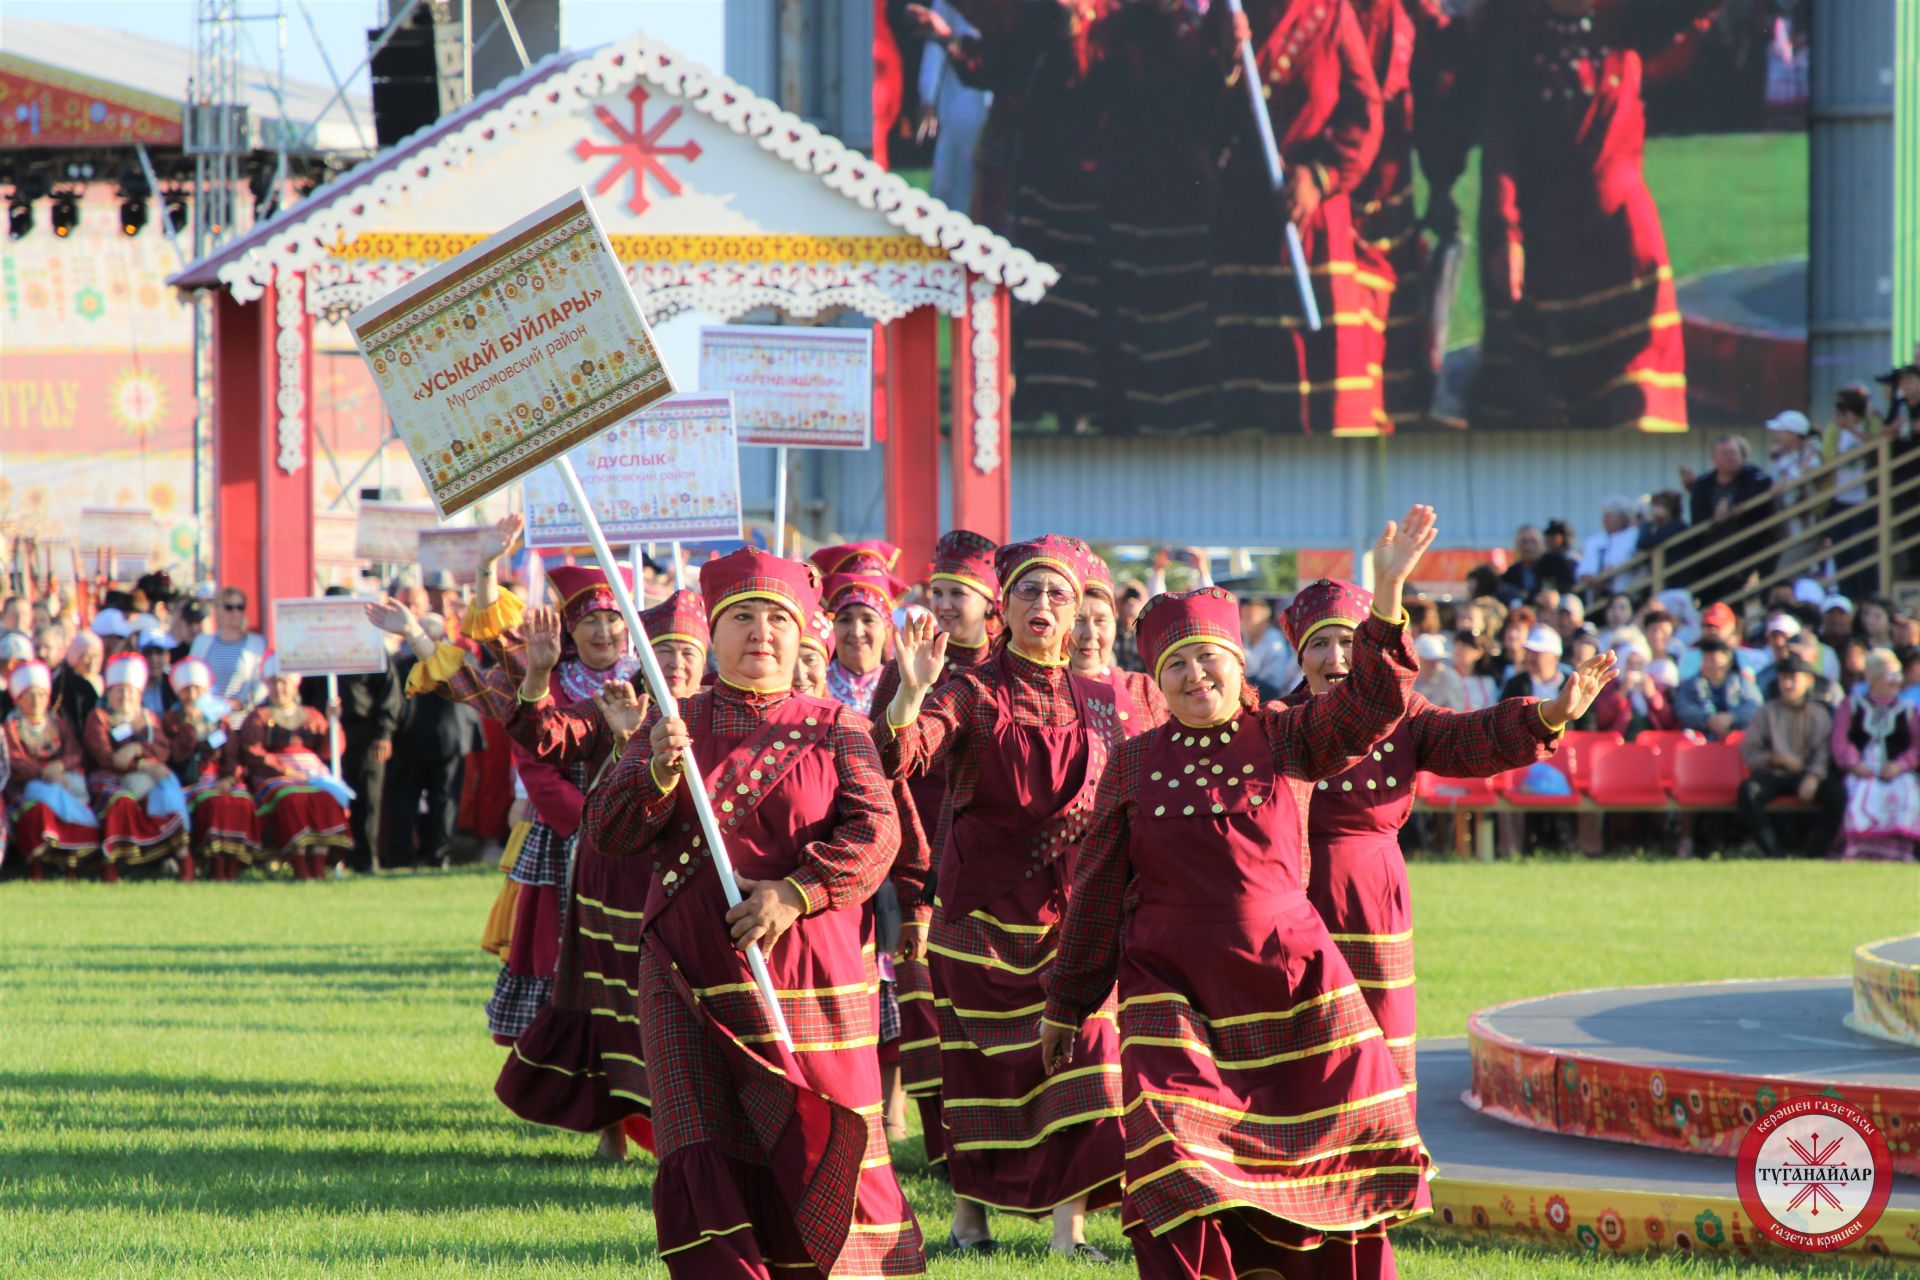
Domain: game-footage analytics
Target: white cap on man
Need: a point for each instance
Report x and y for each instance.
(1835, 603)
(1544, 639)
(1785, 624)
(1792, 422)
(1432, 647)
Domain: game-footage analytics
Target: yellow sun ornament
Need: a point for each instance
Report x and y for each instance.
(138, 401)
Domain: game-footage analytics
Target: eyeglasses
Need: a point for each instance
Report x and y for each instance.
(233, 608)
(1029, 592)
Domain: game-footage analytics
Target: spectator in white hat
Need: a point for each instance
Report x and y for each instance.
(1782, 628)
(1437, 682)
(1539, 667)
(1836, 621)
(112, 627)
(1792, 452)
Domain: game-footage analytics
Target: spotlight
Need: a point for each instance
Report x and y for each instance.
(133, 216)
(19, 217)
(177, 213)
(66, 214)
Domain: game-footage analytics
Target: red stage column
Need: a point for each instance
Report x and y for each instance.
(911, 383)
(243, 349)
(286, 442)
(982, 413)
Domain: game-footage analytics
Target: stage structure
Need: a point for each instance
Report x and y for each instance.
(717, 201)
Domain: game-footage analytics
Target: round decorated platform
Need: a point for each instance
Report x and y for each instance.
(1687, 1067)
(1500, 1182)
(1886, 990)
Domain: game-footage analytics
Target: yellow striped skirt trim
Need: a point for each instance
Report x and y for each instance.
(1105, 1068)
(1247, 1064)
(1243, 1019)
(1214, 1153)
(993, 962)
(1665, 320)
(597, 905)
(608, 939)
(1255, 1117)
(1372, 937)
(1635, 285)
(1063, 1122)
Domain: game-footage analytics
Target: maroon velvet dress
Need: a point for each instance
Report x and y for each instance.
(40, 836)
(772, 1161)
(1024, 747)
(129, 835)
(1267, 1129)
(1359, 877)
(913, 979)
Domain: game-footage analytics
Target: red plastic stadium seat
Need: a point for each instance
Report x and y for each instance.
(1628, 776)
(1580, 749)
(1455, 793)
(1668, 744)
(1735, 738)
(1709, 775)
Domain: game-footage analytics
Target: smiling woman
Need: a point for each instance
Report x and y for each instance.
(1023, 742)
(1239, 1021)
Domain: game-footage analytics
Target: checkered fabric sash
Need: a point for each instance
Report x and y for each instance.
(737, 784)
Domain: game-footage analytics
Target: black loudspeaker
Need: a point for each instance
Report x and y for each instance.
(406, 84)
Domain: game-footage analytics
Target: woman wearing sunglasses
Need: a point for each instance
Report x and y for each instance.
(1023, 742)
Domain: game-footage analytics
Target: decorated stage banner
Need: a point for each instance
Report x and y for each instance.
(455, 550)
(128, 532)
(391, 534)
(327, 635)
(671, 472)
(510, 354)
(805, 388)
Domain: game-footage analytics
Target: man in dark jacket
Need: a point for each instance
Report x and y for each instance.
(430, 745)
(1534, 566)
(370, 708)
(1714, 499)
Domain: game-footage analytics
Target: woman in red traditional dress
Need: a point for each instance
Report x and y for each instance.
(1267, 1130)
(223, 829)
(1276, 375)
(773, 1160)
(1136, 698)
(1358, 877)
(1024, 742)
(962, 595)
(142, 812)
(816, 651)
(46, 787)
(580, 1063)
(301, 807)
(1597, 336)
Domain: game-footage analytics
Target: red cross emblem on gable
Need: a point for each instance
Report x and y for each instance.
(637, 151)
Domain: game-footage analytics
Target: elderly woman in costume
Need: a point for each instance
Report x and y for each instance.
(1876, 745)
(1357, 877)
(46, 786)
(223, 827)
(1024, 742)
(1265, 1120)
(1136, 698)
(816, 651)
(301, 806)
(963, 592)
(773, 1160)
(142, 810)
(580, 1064)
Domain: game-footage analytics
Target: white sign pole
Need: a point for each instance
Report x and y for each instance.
(333, 726)
(664, 699)
(679, 570)
(780, 500)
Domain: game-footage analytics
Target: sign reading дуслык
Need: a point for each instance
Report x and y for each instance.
(508, 355)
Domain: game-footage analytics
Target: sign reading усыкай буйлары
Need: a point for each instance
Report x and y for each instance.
(505, 357)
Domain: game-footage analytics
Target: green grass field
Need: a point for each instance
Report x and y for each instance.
(276, 1079)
